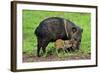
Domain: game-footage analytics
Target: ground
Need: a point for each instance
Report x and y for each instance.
(27, 58)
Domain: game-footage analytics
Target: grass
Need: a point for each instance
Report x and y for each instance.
(32, 18)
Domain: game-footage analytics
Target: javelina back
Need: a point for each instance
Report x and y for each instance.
(53, 28)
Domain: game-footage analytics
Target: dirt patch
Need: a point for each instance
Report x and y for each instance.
(27, 58)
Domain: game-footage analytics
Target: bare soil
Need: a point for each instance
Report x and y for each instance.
(27, 58)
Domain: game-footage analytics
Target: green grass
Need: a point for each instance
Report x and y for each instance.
(32, 18)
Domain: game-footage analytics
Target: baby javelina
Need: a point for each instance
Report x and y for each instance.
(64, 45)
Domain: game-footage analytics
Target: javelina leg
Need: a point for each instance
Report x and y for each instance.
(38, 50)
(44, 45)
(67, 50)
(38, 47)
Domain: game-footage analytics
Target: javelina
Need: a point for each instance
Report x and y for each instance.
(53, 28)
(63, 44)
(66, 45)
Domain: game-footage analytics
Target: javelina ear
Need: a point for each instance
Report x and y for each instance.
(74, 29)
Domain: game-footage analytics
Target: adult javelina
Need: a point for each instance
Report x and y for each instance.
(54, 28)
